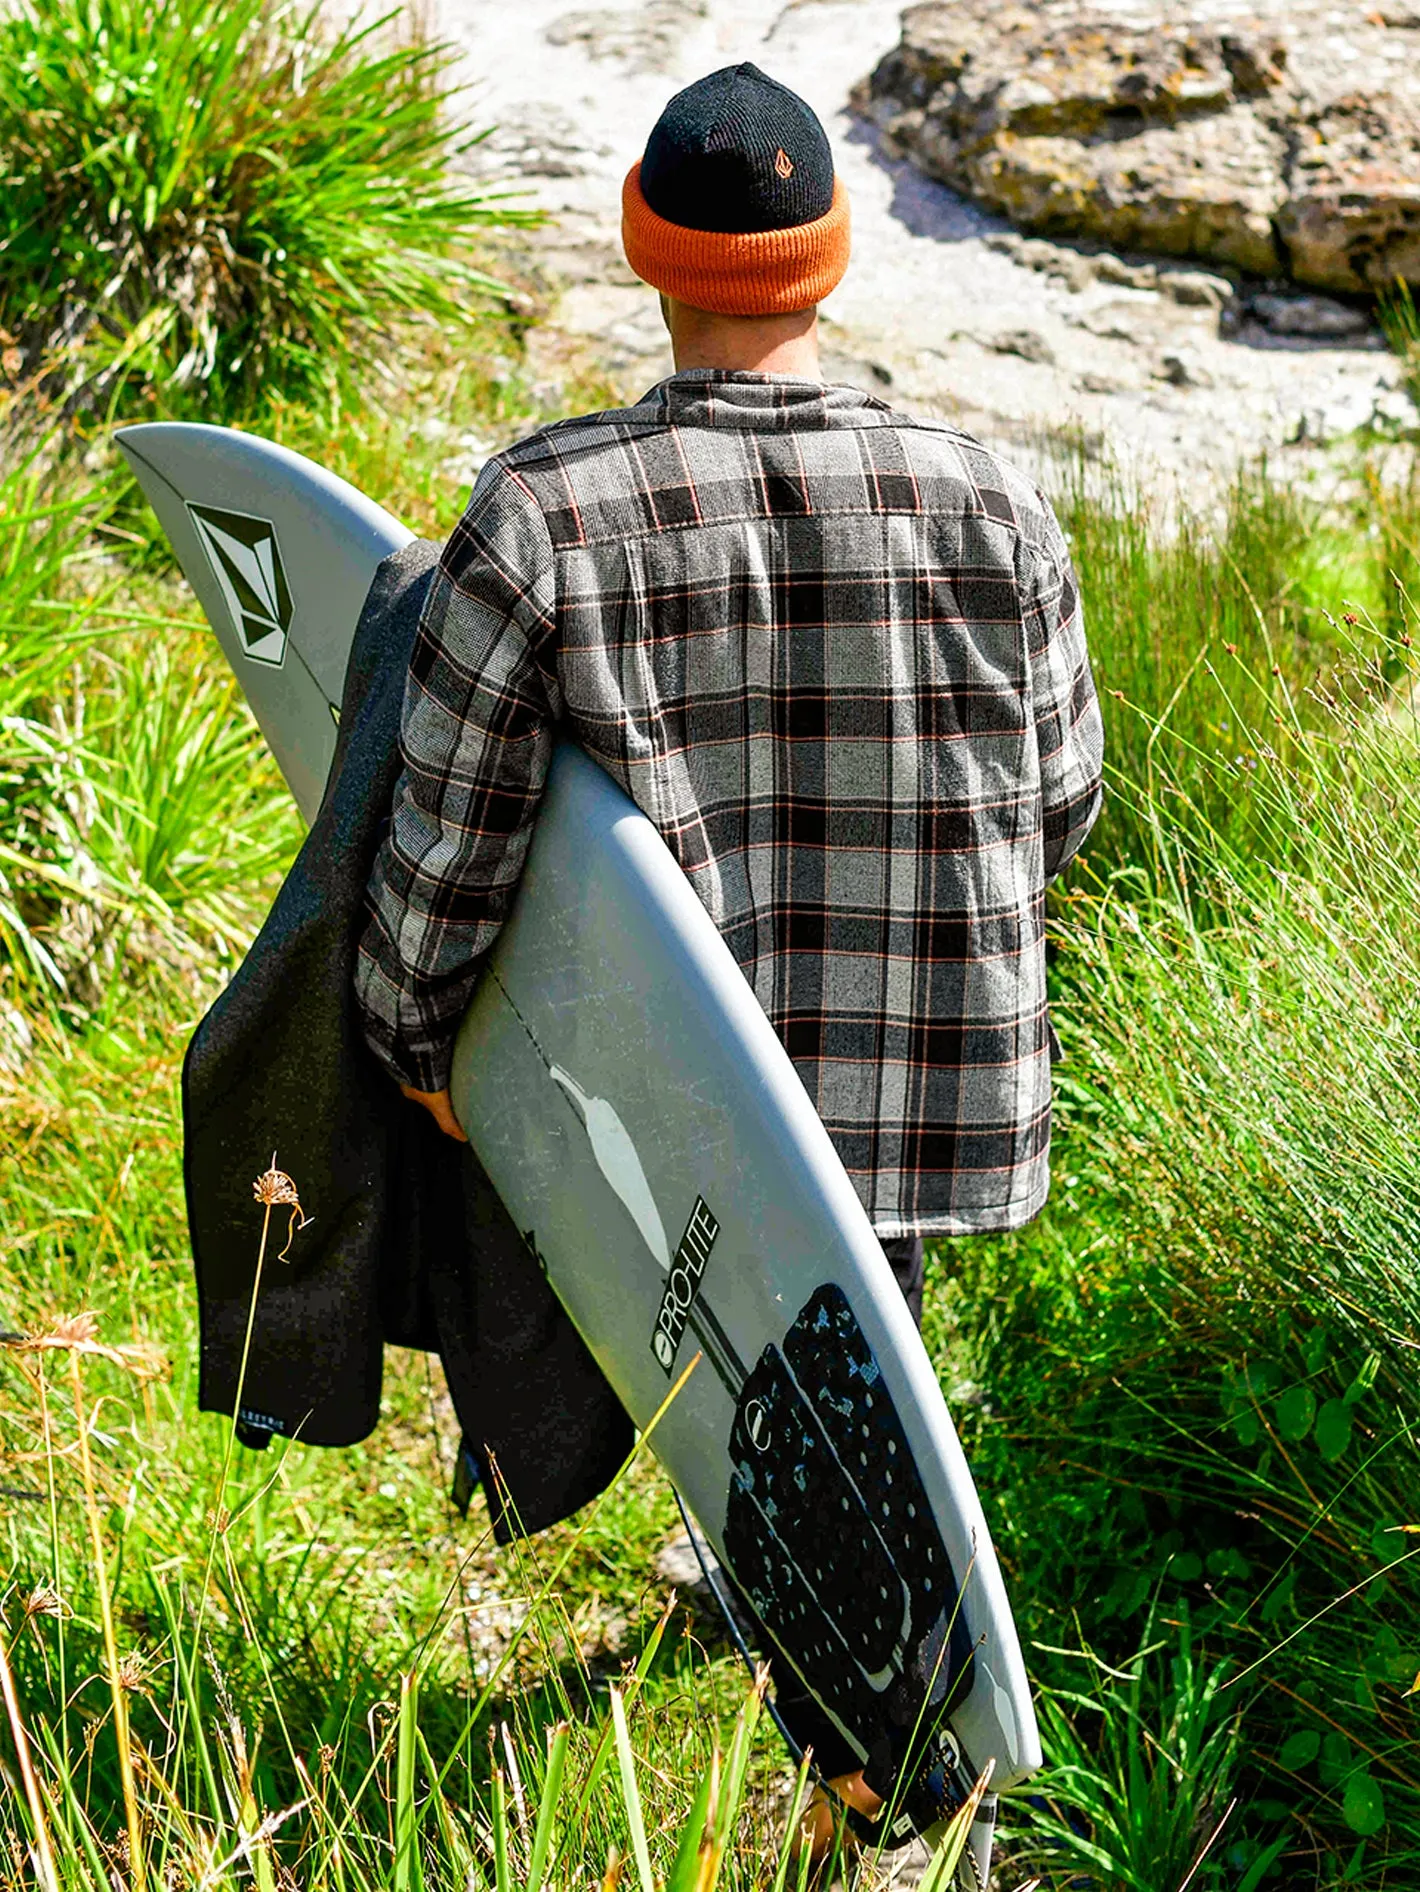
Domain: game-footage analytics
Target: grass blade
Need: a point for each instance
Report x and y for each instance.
(631, 1793)
(547, 1806)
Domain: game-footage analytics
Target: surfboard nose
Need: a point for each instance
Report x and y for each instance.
(281, 554)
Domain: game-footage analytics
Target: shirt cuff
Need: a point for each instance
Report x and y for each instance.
(426, 1070)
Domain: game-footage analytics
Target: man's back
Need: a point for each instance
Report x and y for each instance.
(834, 653)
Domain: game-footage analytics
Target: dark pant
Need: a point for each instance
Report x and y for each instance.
(904, 1254)
(800, 1713)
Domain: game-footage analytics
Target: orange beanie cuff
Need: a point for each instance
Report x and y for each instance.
(757, 272)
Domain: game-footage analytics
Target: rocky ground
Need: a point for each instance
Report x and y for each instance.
(1280, 137)
(947, 308)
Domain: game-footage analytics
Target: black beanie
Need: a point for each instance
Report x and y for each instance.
(738, 152)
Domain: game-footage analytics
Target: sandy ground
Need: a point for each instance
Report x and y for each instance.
(930, 314)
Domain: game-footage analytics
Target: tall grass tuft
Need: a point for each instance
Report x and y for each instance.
(141, 819)
(1250, 591)
(1400, 320)
(1245, 1025)
(210, 197)
(1140, 1782)
(1205, 1353)
(140, 1766)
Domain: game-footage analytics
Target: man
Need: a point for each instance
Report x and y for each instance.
(833, 652)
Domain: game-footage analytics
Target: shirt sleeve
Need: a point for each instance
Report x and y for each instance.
(476, 740)
(1068, 728)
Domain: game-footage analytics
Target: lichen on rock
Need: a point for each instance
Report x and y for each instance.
(1262, 145)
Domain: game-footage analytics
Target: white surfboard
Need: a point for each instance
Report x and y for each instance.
(647, 1131)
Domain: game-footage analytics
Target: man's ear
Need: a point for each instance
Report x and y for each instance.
(665, 310)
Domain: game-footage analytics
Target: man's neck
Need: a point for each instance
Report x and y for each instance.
(771, 344)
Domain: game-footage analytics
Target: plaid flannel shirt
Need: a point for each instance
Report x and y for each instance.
(836, 655)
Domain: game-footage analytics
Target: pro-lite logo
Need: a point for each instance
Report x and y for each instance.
(683, 1283)
(246, 563)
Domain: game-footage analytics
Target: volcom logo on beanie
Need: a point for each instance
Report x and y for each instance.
(737, 151)
(735, 207)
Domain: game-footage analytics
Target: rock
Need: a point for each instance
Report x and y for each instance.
(1228, 142)
(539, 141)
(1393, 414)
(649, 38)
(1352, 217)
(678, 1565)
(1337, 420)
(1195, 289)
(1025, 342)
(856, 371)
(1136, 322)
(1317, 317)
(1182, 371)
(1113, 269)
(1077, 272)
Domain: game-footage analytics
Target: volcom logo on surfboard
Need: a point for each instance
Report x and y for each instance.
(683, 1283)
(246, 562)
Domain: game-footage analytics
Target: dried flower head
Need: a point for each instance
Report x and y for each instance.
(274, 1189)
(77, 1333)
(133, 1674)
(45, 1600)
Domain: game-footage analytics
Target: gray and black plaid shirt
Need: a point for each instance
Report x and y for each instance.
(836, 656)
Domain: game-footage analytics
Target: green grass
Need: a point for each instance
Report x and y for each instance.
(211, 200)
(142, 819)
(1188, 1391)
(1198, 1409)
(1401, 322)
(1187, 608)
(1185, 1391)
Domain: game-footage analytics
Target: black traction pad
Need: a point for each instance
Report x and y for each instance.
(829, 1532)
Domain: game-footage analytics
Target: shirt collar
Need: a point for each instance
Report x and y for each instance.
(760, 403)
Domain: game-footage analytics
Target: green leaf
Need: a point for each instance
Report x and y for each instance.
(502, 1871)
(1363, 1806)
(1263, 1864)
(1295, 1411)
(1337, 1758)
(408, 1866)
(1187, 1567)
(1333, 1429)
(1247, 1427)
(1259, 1379)
(1300, 1749)
(1363, 1381)
(1279, 1598)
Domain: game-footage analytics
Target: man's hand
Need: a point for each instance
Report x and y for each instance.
(440, 1108)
